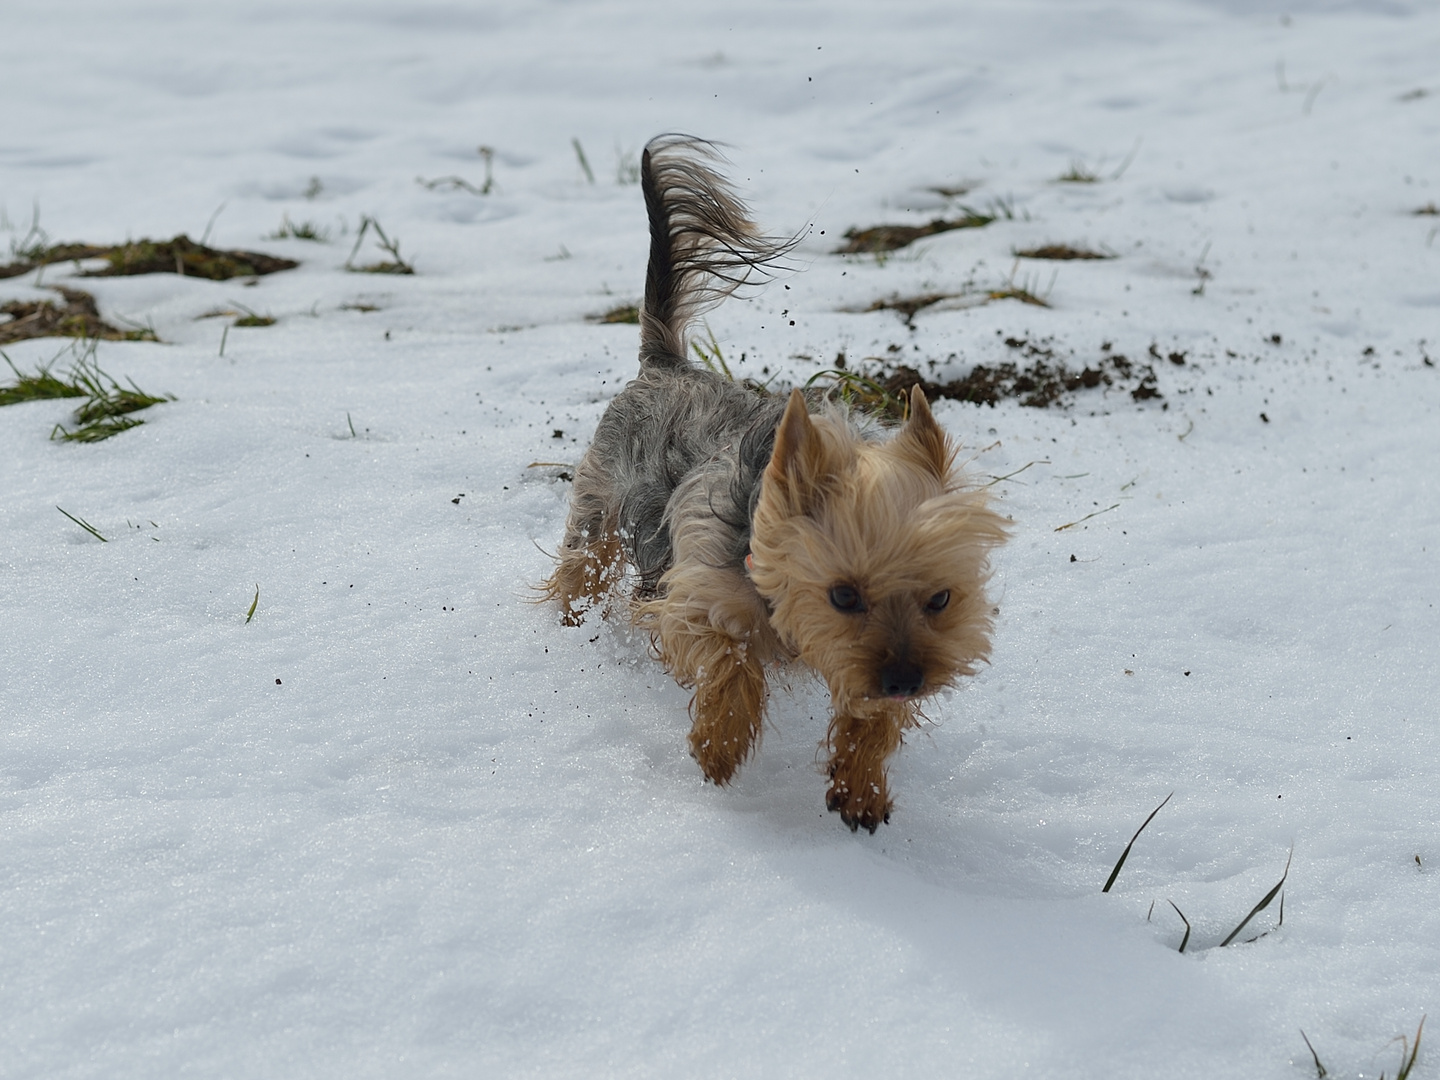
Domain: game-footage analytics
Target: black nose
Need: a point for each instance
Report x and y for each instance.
(901, 679)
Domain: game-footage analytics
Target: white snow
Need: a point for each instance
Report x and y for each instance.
(403, 823)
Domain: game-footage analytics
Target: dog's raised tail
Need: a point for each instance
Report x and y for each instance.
(703, 245)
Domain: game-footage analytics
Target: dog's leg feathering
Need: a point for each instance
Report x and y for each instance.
(591, 559)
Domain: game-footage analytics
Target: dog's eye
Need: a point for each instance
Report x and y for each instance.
(846, 598)
(939, 601)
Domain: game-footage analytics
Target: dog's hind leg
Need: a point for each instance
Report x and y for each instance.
(591, 560)
(859, 747)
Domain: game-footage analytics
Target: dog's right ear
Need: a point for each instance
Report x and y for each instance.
(797, 466)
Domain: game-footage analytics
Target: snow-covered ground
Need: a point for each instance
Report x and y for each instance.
(403, 823)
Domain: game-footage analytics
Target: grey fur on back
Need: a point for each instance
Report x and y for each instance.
(681, 435)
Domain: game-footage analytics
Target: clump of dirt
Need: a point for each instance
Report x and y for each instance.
(1061, 252)
(1041, 380)
(907, 307)
(30, 258)
(624, 313)
(77, 317)
(185, 257)
(178, 256)
(882, 238)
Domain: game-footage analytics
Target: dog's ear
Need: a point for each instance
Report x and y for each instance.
(797, 464)
(923, 439)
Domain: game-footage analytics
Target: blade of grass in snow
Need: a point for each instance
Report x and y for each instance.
(1126, 853)
(84, 525)
(1320, 1071)
(1263, 904)
(1087, 517)
(1186, 939)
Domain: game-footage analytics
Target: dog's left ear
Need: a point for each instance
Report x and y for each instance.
(797, 469)
(923, 438)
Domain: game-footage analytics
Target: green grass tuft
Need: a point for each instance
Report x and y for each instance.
(711, 355)
(42, 386)
(107, 406)
(621, 313)
(306, 230)
(860, 392)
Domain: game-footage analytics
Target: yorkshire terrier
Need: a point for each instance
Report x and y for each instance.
(761, 530)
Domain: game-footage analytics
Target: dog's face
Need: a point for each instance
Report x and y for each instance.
(872, 560)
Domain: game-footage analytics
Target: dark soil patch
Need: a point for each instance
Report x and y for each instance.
(1040, 379)
(77, 317)
(185, 257)
(178, 256)
(1061, 252)
(882, 238)
(1428, 210)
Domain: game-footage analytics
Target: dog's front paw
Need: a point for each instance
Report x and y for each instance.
(860, 805)
(719, 758)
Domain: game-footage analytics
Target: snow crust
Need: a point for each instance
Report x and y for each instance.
(403, 823)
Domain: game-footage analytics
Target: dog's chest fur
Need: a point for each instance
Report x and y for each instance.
(677, 446)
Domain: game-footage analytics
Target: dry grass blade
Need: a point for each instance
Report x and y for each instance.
(84, 525)
(1087, 517)
(253, 605)
(395, 265)
(1186, 939)
(1263, 904)
(1126, 853)
(993, 481)
(1320, 1071)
